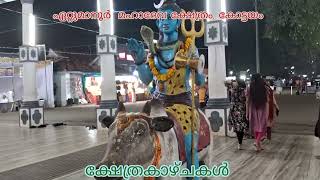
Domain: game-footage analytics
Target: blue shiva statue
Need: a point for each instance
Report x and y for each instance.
(172, 79)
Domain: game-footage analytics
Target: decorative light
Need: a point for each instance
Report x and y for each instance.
(122, 55)
(230, 78)
(292, 67)
(129, 57)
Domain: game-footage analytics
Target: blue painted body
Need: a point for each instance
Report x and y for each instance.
(169, 34)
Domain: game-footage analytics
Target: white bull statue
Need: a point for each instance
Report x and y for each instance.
(145, 138)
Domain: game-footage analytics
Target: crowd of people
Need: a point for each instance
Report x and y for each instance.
(253, 110)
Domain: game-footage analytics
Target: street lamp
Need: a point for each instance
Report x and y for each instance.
(231, 73)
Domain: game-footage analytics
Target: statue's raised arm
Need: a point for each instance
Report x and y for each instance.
(138, 53)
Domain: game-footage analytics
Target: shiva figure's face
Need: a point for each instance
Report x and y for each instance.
(168, 25)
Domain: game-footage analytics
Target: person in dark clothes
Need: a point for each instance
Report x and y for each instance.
(317, 129)
(237, 117)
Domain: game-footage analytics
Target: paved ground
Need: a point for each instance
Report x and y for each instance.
(298, 114)
(40, 153)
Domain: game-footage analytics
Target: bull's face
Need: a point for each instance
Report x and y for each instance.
(131, 137)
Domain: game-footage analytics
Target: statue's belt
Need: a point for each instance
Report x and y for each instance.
(170, 100)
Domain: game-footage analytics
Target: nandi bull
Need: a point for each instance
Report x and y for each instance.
(170, 65)
(149, 137)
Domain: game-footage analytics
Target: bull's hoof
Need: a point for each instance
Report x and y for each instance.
(162, 124)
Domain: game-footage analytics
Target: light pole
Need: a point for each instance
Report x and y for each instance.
(257, 40)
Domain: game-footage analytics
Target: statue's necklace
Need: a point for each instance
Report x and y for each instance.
(171, 69)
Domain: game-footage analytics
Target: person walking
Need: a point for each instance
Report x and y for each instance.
(317, 128)
(257, 108)
(237, 116)
(273, 109)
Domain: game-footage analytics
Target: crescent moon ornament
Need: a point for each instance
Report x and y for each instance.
(158, 6)
(201, 63)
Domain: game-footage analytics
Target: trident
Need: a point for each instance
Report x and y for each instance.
(193, 34)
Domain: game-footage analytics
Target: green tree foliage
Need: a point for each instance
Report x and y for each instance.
(295, 24)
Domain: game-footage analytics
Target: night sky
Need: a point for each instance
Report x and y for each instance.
(240, 53)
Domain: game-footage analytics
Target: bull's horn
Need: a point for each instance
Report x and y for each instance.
(147, 108)
(108, 120)
(160, 120)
